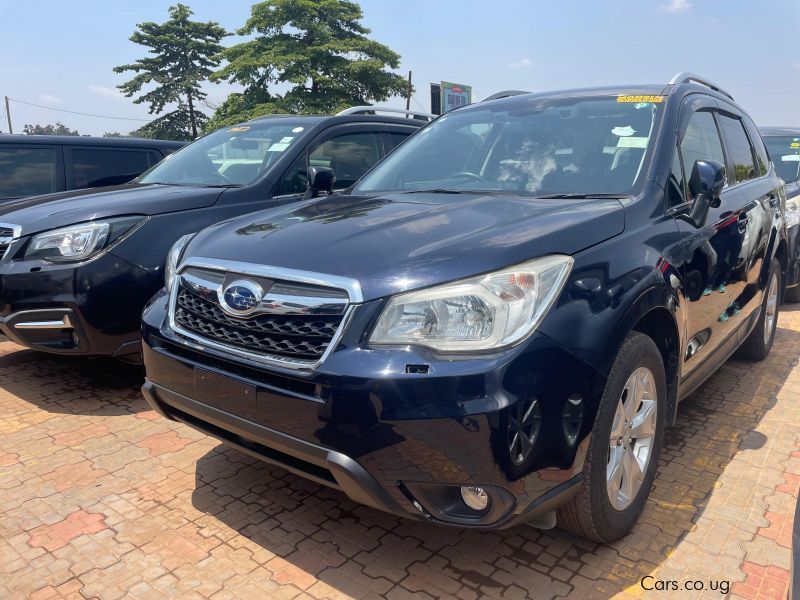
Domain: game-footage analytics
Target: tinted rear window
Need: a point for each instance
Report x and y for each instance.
(95, 167)
(27, 172)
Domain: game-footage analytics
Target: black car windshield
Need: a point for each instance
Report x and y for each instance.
(784, 150)
(530, 146)
(232, 156)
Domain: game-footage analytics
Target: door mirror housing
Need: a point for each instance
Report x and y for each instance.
(320, 179)
(705, 184)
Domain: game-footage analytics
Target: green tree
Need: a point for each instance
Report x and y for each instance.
(57, 129)
(183, 55)
(319, 48)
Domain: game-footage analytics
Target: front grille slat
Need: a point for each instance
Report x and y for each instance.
(6, 237)
(295, 337)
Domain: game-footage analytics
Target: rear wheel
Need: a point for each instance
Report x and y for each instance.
(625, 446)
(759, 342)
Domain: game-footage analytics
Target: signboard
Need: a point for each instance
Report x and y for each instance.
(446, 96)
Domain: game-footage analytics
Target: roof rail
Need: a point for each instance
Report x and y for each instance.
(357, 110)
(504, 94)
(686, 77)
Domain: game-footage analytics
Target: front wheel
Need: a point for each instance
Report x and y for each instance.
(625, 445)
(759, 342)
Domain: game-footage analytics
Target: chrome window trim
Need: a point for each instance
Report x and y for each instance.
(351, 286)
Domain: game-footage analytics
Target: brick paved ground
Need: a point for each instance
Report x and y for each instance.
(99, 497)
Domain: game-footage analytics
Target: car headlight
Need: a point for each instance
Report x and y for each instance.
(482, 313)
(173, 257)
(792, 213)
(82, 241)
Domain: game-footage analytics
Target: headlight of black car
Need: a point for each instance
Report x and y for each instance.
(82, 241)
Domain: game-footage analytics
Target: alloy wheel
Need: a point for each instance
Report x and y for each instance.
(771, 308)
(633, 432)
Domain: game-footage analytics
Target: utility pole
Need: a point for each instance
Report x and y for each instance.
(408, 94)
(8, 116)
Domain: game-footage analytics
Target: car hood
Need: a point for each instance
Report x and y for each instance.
(398, 242)
(40, 213)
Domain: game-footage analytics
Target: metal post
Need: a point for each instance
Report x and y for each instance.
(8, 116)
(408, 94)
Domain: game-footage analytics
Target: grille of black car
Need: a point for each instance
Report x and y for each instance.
(295, 337)
(6, 235)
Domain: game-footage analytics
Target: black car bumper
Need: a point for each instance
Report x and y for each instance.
(403, 443)
(90, 308)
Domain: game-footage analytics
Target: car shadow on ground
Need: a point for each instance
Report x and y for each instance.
(71, 385)
(362, 552)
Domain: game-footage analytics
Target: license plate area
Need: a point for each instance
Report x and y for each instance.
(225, 393)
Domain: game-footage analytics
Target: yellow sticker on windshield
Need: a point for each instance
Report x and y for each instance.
(239, 128)
(639, 99)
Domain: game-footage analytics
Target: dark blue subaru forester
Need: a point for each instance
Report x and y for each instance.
(494, 325)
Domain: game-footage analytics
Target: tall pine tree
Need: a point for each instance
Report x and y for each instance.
(319, 48)
(183, 53)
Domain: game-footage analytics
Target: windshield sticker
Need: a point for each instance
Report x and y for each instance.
(297, 130)
(623, 131)
(278, 147)
(632, 142)
(794, 145)
(239, 128)
(287, 139)
(641, 99)
(790, 158)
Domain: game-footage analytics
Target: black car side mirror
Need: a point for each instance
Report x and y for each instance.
(320, 179)
(705, 185)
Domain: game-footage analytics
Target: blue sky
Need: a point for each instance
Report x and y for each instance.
(61, 54)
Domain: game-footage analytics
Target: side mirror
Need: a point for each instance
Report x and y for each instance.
(705, 184)
(320, 179)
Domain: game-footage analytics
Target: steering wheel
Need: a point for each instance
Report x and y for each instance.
(467, 175)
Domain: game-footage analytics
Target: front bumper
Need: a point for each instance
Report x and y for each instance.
(399, 441)
(90, 308)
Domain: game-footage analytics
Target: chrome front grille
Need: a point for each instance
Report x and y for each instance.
(7, 235)
(296, 321)
(291, 336)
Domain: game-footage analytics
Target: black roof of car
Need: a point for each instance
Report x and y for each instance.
(84, 140)
(768, 131)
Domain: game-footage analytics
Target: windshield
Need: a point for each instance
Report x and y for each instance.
(579, 145)
(233, 156)
(784, 150)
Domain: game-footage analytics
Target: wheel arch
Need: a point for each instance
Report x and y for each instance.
(651, 315)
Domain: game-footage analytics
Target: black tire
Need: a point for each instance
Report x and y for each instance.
(590, 513)
(756, 347)
(792, 294)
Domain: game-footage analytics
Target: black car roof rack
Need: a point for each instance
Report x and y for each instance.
(365, 110)
(686, 77)
(504, 94)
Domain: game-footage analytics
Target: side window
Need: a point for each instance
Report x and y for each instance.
(27, 172)
(739, 148)
(676, 184)
(701, 141)
(95, 167)
(398, 137)
(762, 156)
(350, 156)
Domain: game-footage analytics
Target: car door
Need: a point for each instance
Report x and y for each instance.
(30, 170)
(711, 249)
(350, 150)
(760, 199)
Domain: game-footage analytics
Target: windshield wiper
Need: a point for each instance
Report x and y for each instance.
(222, 185)
(579, 196)
(439, 191)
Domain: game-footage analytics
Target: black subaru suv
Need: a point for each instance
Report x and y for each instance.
(77, 268)
(496, 323)
(783, 145)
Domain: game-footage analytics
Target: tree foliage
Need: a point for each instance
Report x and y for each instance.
(174, 125)
(57, 129)
(183, 53)
(318, 48)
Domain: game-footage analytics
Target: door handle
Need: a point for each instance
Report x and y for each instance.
(742, 222)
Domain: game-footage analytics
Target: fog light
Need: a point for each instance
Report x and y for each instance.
(475, 497)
